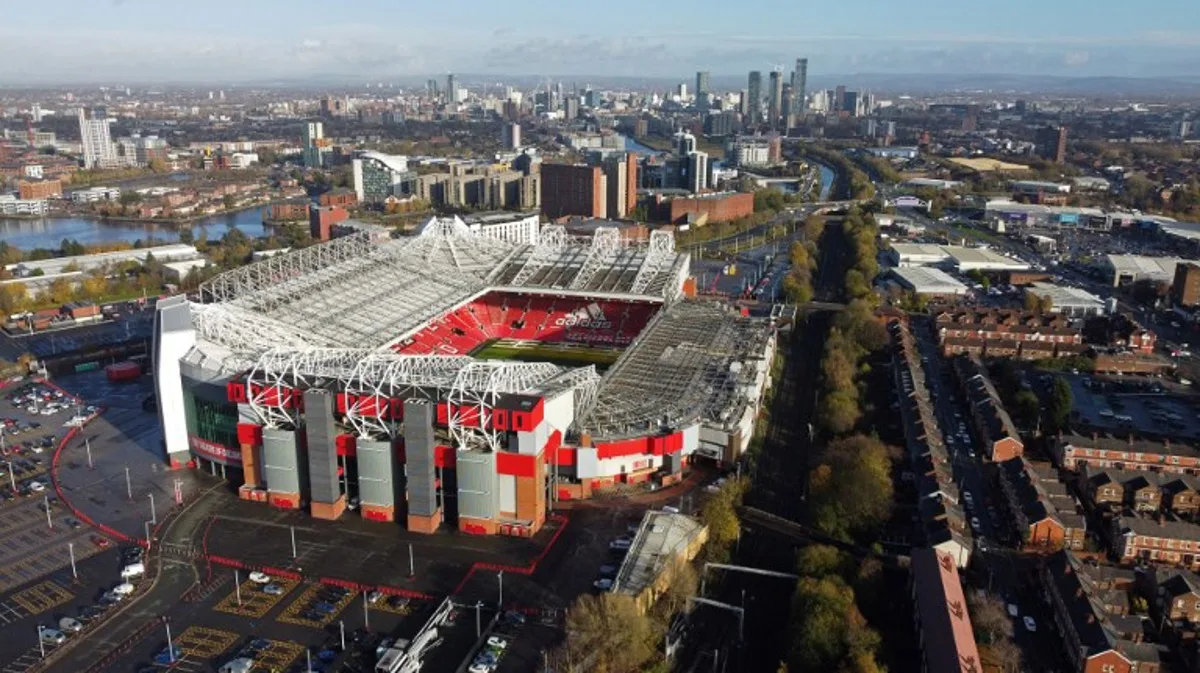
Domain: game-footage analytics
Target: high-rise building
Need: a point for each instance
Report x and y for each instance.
(850, 102)
(512, 136)
(788, 114)
(1051, 143)
(775, 99)
(800, 85)
(702, 88)
(839, 98)
(685, 143)
(1185, 291)
(378, 176)
(572, 108)
(697, 172)
(573, 189)
(451, 88)
(753, 101)
(315, 145)
(96, 138)
(431, 87)
(621, 179)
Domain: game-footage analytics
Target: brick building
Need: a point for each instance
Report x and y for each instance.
(573, 189)
(38, 190)
(1073, 452)
(1176, 595)
(706, 209)
(338, 197)
(322, 218)
(1093, 639)
(1141, 491)
(940, 614)
(288, 211)
(1144, 539)
(993, 426)
(1043, 511)
(1185, 291)
(1006, 333)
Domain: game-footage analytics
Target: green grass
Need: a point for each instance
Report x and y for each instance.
(574, 355)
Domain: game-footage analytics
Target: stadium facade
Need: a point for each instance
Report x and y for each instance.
(340, 376)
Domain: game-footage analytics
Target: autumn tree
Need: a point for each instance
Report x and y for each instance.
(850, 492)
(606, 634)
(828, 632)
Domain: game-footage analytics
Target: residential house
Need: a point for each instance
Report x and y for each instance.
(1142, 539)
(1043, 512)
(993, 426)
(1093, 640)
(1072, 452)
(940, 615)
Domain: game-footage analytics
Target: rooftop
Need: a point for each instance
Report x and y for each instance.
(948, 640)
(661, 537)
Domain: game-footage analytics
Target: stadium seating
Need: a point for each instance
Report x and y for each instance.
(531, 318)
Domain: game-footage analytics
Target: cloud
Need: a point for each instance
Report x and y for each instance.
(1076, 58)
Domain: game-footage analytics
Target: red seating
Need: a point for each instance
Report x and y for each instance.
(531, 318)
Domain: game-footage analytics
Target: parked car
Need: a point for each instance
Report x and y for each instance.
(272, 590)
(259, 577)
(603, 584)
(52, 636)
(1030, 625)
(70, 625)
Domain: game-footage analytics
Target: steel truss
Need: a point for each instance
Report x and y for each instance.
(551, 243)
(473, 396)
(659, 257)
(606, 246)
(273, 270)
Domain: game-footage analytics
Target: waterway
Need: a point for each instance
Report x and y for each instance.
(632, 145)
(49, 232)
(827, 177)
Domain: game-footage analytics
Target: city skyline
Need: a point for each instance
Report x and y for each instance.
(124, 41)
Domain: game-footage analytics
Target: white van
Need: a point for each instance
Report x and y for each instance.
(133, 570)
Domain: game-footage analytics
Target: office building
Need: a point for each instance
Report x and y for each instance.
(850, 103)
(38, 190)
(572, 108)
(621, 178)
(775, 99)
(681, 91)
(1185, 291)
(378, 176)
(96, 138)
(839, 97)
(451, 88)
(149, 148)
(685, 143)
(702, 89)
(573, 189)
(721, 123)
(316, 147)
(1051, 143)
(800, 85)
(697, 172)
(748, 151)
(512, 136)
(752, 101)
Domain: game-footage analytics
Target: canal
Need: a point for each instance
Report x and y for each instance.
(49, 232)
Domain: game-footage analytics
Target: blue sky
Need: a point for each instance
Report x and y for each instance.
(228, 40)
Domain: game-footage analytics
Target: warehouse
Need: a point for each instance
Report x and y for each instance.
(1069, 301)
(927, 282)
(970, 259)
(915, 254)
(1133, 268)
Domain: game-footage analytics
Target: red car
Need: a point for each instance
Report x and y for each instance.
(100, 541)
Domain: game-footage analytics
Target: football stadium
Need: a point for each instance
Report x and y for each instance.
(459, 377)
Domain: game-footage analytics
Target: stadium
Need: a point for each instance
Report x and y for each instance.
(456, 376)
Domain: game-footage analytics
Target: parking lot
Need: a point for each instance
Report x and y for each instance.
(1106, 405)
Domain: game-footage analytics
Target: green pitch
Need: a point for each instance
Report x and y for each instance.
(571, 355)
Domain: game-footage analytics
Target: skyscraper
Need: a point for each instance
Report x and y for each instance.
(702, 82)
(697, 172)
(314, 144)
(96, 138)
(1052, 143)
(775, 100)
(685, 143)
(512, 136)
(800, 85)
(754, 100)
(451, 88)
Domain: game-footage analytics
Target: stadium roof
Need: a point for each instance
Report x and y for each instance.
(690, 363)
(358, 292)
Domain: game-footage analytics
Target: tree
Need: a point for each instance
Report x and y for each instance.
(1058, 407)
(839, 411)
(988, 616)
(228, 202)
(850, 493)
(129, 198)
(719, 513)
(14, 298)
(819, 560)
(683, 584)
(186, 236)
(828, 631)
(607, 634)
(1027, 408)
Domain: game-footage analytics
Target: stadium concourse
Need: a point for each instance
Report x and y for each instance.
(341, 376)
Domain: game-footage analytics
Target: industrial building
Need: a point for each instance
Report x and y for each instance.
(1133, 268)
(927, 281)
(1070, 301)
(345, 372)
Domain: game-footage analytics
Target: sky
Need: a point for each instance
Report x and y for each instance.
(127, 41)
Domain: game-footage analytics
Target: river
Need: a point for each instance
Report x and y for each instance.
(827, 177)
(50, 232)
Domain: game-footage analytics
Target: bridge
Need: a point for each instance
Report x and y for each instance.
(803, 535)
